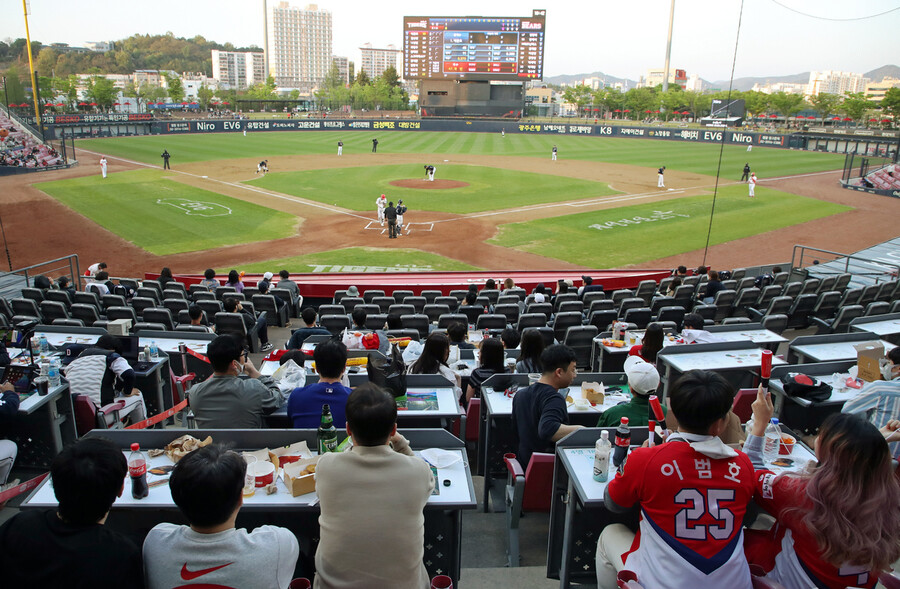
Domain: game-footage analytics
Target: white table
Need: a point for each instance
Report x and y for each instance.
(170, 345)
(879, 328)
(60, 339)
(832, 351)
(719, 360)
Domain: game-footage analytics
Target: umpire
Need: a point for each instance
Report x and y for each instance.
(390, 213)
(165, 155)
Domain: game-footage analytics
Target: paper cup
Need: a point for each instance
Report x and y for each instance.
(442, 582)
(300, 583)
(265, 473)
(533, 378)
(786, 448)
(42, 383)
(250, 476)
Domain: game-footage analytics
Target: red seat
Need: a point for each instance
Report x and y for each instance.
(526, 490)
(88, 416)
(742, 401)
(473, 420)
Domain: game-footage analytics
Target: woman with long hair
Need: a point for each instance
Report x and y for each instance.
(491, 359)
(838, 523)
(234, 279)
(165, 277)
(530, 348)
(650, 345)
(433, 360)
(676, 282)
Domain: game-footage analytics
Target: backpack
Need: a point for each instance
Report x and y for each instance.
(806, 387)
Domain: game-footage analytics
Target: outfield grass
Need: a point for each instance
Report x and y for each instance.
(489, 188)
(700, 158)
(630, 238)
(128, 204)
(362, 259)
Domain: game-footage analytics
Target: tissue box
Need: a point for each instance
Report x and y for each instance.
(297, 480)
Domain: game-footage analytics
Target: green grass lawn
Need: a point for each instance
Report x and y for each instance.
(616, 237)
(152, 212)
(361, 259)
(677, 156)
(489, 188)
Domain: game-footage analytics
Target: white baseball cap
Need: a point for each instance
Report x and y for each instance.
(643, 378)
(268, 276)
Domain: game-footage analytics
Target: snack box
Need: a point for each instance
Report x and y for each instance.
(298, 479)
(593, 392)
(288, 454)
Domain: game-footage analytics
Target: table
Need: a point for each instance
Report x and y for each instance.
(830, 348)
(496, 436)
(169, 341)
(801, 414)
(573, 540)
(43, 426)
(443, 513)
(740, 356)
(887, 327)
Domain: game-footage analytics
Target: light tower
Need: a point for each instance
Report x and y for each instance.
(669, 48)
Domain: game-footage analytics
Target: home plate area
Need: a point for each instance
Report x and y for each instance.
(407, 228)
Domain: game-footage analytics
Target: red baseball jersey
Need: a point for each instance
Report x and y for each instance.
(692, 509)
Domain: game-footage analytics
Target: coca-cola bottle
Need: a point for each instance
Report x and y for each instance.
(137, 469)
(623, 440)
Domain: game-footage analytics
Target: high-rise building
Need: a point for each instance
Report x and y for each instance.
(875, 91)
(343, 66)
(655, 77)
(835, 83)
(238, 70)
(375, 61)
(299, 44)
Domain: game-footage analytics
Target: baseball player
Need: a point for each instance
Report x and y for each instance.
(340, 147)
(746, 174)
(374, 145)
(751, 185)
(660, 181)
(553, 154)
(381, 202)
(503, 132)
(103, 165)
(429, 170)
(263, 167)
(401, 208)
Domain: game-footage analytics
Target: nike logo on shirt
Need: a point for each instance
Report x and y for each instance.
(191, 575)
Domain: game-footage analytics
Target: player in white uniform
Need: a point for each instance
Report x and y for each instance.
(553, 154)
(751, 185)
(660, 181)
(429, 169)
(381, 202)
(103, 165)
(263, 167)
(340, 147)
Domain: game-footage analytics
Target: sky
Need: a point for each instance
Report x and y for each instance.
(621, 39)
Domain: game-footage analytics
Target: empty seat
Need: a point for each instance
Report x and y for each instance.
(735, 320)
(384, 303)
(747, 282)
(376, 320)
(123, 312)
(418, 303)
(659, 302)
(768, 293)
(603, 319)
(412, 334)
(60, 296)
(564, 321)
(674, 314)
(792, 289)
(434, 311)
(68, 322)
(738, 273)
(401, 309)
(159, 315)
(723, 302)
(35, 294)
(810, 285)
(202, 295)
(842, 281)
(369, 295)
(451, 302)
(851, 296)
(148, 293)
(176, 305)
(430, 295)
(23, 306)
(52, 310)
(224, 291)
(619, 295)
(640, 316)
(594, 295)
(887, 291)
(527, 320)
(210, 307)
(338, 296)
(708, 312)
(472, 312)
(777, 306)
(744, 300)
(88, 298)
(88, 314)
(506, 299)
(445, 320)
(332, 310)
(570, 306)
(174, 293)
(684, 296)
(416, 321)
(798, 318)
(841, 321)
(233, 323)
(275, 314)
(459, 294)
(335, 323)
(776, 323)
(827, 304)
(348, 303)
(869, 294)
(510, 311)
(602, 305)
(630, 303)
(491, 293)
(581, 339)
(399, 295)
(545, 308)
(645, 290)
(492, 321)
(827, 284)
(877, 308)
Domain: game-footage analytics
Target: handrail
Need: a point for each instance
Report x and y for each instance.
(798, 263)
(73, 267)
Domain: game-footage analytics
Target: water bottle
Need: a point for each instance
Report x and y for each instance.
(45, 345)
(137, 470)
(53, 372)
(154, 352)
(146, 356)
(772, 441)
(623, 440)
(601, 457)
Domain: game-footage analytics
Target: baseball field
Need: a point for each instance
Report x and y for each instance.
(497, 202)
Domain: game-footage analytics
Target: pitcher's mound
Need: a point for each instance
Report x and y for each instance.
(422, 183)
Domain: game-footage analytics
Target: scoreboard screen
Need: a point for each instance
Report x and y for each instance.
(474, 48)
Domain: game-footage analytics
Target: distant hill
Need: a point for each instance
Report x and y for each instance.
(885, 71)
(571, 78)
(744, 84)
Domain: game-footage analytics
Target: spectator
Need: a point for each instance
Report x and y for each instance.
(701, 270)
(371, 500)
(540, 294)
(491, 361)
(510, 338)
(643, 380)
(198, 319)
(490, 284)
(297, 356)
(676, 282)
(650, 345)
(589, 286)
(469, 301)
(70, 546)
(42, 283)
(99, 284)
(232, 305)
(101, 373)
(289, 285)
(394, 321)
(433, 360)
(209, 280)
(457, 333)
(880, 400)
(9, 407)
(680, 271)
(227, 401)
(93, 269)
(305, 404)
(532, 345)
(263, 288)
(165, 277)
(267, 278)
(839, 524)
(63, 283)
(206, 486)
(716, 480)
(310, 327)
(713, 286)
(508, 284)
(539, 412)
(234, 281)
(767, 278)
(693, 321)
(358, 315)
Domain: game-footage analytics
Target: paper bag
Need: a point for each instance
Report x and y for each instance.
(869, 355)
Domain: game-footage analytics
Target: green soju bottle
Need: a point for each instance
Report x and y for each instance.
(326, 436)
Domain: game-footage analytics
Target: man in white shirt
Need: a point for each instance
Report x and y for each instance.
(206, 486)
(381, 203)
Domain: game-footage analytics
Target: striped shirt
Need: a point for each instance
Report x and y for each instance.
(880, 400)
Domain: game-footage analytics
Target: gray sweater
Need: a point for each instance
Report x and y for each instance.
(229, 402)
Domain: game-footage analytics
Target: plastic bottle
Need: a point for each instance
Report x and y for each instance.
(601, 457)
(154, 352)
(326, 436)
(53, 372)
(146, 353)
(772, 441)
(137, 469)
(623, 440)
(45, 345)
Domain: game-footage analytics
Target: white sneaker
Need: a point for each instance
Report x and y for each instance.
(266, 347)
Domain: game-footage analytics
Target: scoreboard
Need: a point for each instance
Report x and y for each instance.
(474, 48)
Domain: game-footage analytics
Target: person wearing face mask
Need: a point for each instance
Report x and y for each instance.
(880, 400)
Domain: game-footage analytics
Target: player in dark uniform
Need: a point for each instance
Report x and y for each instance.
(746, 175)
(429, 171)
(390, 213)
(374, 145)
(401, 209)
(165, 155)
(263, 167)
